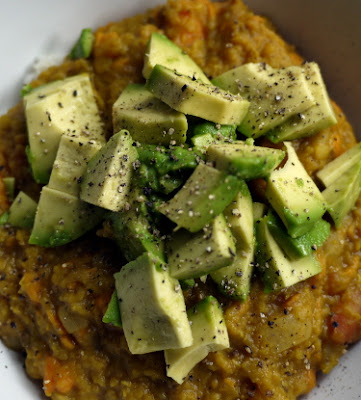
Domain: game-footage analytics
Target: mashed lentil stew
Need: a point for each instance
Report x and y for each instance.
(52, 300)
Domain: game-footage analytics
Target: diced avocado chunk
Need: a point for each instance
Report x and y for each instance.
(132, 231)
(4, 218)
(196, 98)
(61, 218)
(160, 50)
(106, 181)
(274, 94)
(152, 307)
(239, 216)
(205, 195)
(22, 211)
(234, 280)
(70, 163)
(203, 141)
(147, 118)
(207, 133)
(343, 193)
(162, 169)
(337, 167)
(193, 255)
(209, 334)
(69, 83)
(259, 210)
(294, 195)
(166, 160)
(112, 314)
(26, 89)
(66, 107)
(84, 45)
(244, 160)
(278, 271)
(220, 132)
(9, 182)
(319, 116)
(303, 245)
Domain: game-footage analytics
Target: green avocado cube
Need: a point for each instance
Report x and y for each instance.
(71, 161)
(234, 280)
(107, 178)
(275, 94)
(194, 255)
(340, 165)
(343, 193)
(61, 218)
(192, 97)
(160, 50)
(84, 45)
(209, 334)
(152, 307)
(303, 245)
(9, 182)
(244, 160)
(112, 314)
(148, 119)
(277, 270)
(259, 210)
(205, 195)
(132, 231)
(22, 211)
(65, 107)
(319, 116)
(294, 196)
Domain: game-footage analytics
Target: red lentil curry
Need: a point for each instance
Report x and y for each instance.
(52, 300)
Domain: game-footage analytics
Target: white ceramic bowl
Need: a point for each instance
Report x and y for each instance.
(327, 31)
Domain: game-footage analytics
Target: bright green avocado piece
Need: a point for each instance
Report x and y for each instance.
(191, 97)
(152, 307)
(84, 45)
(319, 116)
(160, 50)
(112, 314)
(70, 163)
(4, 218)
(337, 167)
(259, 210)
(203, 141)
(207, 133)
(277, 270)
(9, 182)
(205, 195)
(303, 245)
(219, 132)
(234, 280)
(147, 118)
(294, 196)
(132, 231)
(22, 211)
(194, 255)
(343, 193)
(167, 160)
(65, 107)
(61, 218)
(274, 94)
(209, 334)
(244, 160)
(107, 178)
